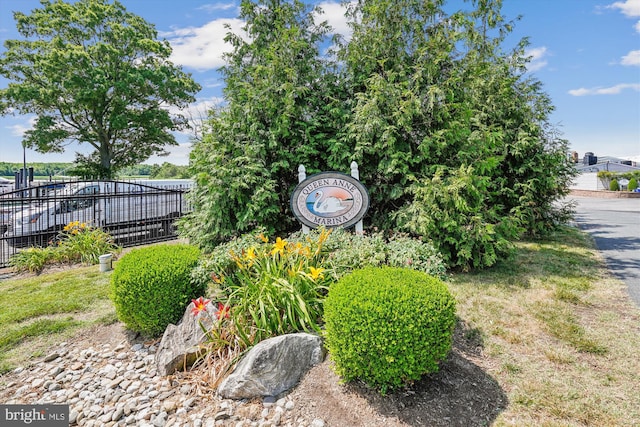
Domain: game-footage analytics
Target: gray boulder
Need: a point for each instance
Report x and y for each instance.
(273, 366)
(181, 344)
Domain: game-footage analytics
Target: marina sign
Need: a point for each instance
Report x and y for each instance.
(329, 199)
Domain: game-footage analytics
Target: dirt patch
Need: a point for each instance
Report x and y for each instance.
(98, 335)
(460, 394)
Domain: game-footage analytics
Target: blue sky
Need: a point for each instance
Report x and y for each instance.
(585, 52)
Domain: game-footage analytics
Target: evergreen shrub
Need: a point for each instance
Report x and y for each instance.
(633, 184)
(151, 286)
(455, 211)
(613, 185)
(388, 326)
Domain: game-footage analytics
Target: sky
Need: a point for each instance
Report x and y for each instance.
(586, 53)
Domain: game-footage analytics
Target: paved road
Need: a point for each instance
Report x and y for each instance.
(615, 226)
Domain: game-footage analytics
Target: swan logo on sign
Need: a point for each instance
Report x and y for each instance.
(329, 199)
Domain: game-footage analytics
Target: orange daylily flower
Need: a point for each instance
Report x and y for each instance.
(223, 311)
(200, 304)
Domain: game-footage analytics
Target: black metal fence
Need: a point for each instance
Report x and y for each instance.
(133, 212)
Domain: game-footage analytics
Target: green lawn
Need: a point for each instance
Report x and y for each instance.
(558, 332)
(38, 310)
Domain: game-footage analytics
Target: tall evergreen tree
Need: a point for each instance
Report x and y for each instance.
(277, 116)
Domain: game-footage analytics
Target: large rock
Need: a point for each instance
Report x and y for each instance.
(273, 366)
(181, 344)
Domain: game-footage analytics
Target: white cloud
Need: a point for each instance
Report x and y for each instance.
(213, 7)
(196, 114)
(632, 58)
(198, 109)
(334, 15)
(202, 47)
(537, 57)
(613, 90)
(20, 128)
(178, 155)
(630, 8)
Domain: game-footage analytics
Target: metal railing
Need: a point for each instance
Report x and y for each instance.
(132, 212)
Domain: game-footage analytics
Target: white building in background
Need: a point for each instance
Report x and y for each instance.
(588, 178)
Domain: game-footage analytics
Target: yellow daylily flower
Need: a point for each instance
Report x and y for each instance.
(278, 246)
(302, 250)
(71, 225)
(316, 273)
(250, 254)
(237, 259)
(322, 237)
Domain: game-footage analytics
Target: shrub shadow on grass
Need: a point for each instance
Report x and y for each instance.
(516, 273)
(460, 394)
(508, 274)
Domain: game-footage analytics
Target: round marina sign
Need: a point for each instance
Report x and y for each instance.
(330, 199)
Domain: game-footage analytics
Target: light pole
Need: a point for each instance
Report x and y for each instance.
(24, 176)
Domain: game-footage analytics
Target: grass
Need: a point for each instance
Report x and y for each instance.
(557, 332)
(39, 310)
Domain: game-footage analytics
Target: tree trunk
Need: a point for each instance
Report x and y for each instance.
(105, 171)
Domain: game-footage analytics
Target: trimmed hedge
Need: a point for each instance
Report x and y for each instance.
(151, 286)
(388, 326)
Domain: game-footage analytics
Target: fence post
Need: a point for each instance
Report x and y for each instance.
(302, 175)
(356, 174)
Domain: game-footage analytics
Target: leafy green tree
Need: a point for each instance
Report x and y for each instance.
(168, 170)
(137, 170)
(96, 74)
(278, 114)
(39, 169)
(527, 161)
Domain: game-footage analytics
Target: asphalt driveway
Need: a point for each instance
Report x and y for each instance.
(615, 227)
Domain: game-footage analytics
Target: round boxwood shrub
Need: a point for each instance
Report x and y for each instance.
(388, 326)
(151, 286)
(614, 186)
(633, 184)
